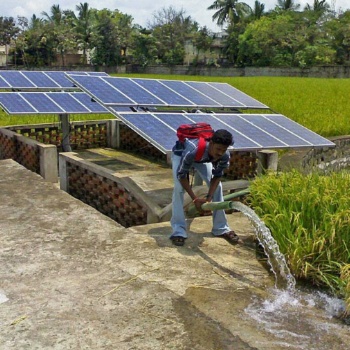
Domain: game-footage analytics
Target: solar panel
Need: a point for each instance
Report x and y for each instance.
(134, 91)
(16, 79)
(101, 90)
(250, 131)
(40, 79)
(116, 91)
(170, 97)
(49, 102)
(245, 99)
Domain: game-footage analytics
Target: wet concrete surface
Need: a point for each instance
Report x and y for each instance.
(71, 278)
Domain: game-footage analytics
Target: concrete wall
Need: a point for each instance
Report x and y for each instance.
(317, 72)
(329, 159)
(35, 156)
(121, 199)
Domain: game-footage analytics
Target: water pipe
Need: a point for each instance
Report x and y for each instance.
(236, 194)
(218, 205)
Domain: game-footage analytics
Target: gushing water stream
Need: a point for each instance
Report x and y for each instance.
(296, 319)
(283, 277)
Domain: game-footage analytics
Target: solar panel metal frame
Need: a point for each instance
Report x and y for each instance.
(217, 119)
(23, 100)
(105, 83)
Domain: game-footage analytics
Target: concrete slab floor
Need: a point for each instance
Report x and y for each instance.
(71, 278)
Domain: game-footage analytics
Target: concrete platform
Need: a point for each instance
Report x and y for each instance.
(71, 278)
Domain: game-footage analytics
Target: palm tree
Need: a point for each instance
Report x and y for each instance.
(287, 5)
(318, 6)
(83, 26)
(56, 15)
(258, 10)
(229, 11)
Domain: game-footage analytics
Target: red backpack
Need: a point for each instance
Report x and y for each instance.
(201, 131)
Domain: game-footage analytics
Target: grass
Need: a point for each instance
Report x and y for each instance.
(309, 216)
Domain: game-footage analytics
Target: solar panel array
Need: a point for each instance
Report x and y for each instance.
(49, 103)
(250, 131)
(121, 95)
(116, 91)
(13, 79)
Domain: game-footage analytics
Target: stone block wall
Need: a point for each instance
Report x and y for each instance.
(121, 199)
(83, 135)
(35, 156)
(329, 158)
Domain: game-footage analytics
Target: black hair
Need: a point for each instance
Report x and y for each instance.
(222, 137)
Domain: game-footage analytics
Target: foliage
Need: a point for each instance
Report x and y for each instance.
(309, 216)
(8, 30)
(171, 28)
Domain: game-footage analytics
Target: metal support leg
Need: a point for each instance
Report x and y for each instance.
(64, 119)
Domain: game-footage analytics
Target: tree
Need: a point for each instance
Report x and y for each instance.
(318, 6)
(83, 27)
(60, 32)
(171, 28)
(143, 46)
(229, 11)
(8, 30)
(110, 37)
(287, 5)
(202, 40)
(285, 39)
(257, 11)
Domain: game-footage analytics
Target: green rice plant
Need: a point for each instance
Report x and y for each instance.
(309, 216)
(345, 276)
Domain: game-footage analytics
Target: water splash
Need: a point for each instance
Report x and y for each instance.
(302, 319)
(279, 267)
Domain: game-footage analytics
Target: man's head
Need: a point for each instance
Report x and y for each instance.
(219, 143)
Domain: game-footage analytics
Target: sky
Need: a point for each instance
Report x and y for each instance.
(141, 10)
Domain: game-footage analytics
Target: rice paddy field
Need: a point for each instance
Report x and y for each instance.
(308, 215)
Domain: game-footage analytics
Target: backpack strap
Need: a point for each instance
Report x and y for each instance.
(201, 148)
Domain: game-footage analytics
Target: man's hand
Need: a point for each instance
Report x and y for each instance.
(198, 202)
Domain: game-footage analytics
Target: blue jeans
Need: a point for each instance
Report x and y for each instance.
(178, 220)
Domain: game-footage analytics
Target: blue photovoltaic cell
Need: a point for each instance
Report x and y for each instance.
(250, 131)
(273, 128)
(197, 98)
(215, 94)
(67, 102)
(41, 102)
(174, 120)
(238, 123)
(134, 92)
(164, 93)
(159, 134)
(40, 79)
(87, 101)
(4, 84)
(238, 95)
(49, 102)
(16, 79)
(13, 103)
(300, 130)
(101, 90)
(241, 141)
(60, 78)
